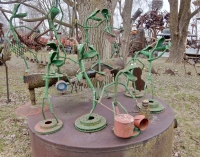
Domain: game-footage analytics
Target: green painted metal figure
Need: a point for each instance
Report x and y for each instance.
(155, 106)
(56, 60)
(149, 52)
(93, 53)
(55, 57)
(17, 47)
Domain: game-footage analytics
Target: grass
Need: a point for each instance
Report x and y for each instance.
(181, 92)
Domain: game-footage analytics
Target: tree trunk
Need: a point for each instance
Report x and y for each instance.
(180, 15)
(179, 41)
(125, 40)
(96, 35)
(176, 51)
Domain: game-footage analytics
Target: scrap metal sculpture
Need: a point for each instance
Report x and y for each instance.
(149, 53)
(136, 15)
(157, 4)
(90, 122)
(154, 21)
(138, 41)
(57, 60)
(16, 46)
(22, 43)
(86, 51)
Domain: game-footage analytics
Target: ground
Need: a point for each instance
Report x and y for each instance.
(181, 92)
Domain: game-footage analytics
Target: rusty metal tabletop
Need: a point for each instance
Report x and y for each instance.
(68, 138)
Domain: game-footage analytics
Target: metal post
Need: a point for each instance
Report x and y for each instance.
(8, 99)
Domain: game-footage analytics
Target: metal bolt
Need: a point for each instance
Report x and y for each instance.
(145, 103)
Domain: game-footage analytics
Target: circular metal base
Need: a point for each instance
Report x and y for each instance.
(92, 123)
(29, 110)
(154, 106)
(48, 126)
(136, 94)
(155, 141)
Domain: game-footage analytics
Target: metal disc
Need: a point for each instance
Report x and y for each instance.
(136, 94)
(48, 126)
(92, 124)
(28, 110)
(154, 106)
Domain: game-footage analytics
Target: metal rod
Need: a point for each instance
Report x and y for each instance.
(7, 86)
(108, 108)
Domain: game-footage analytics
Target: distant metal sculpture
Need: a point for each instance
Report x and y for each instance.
(138, 41)
(154, 22)
(157, 4)
(136, 15)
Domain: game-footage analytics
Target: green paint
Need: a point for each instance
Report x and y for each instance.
(149, 52)
(15, 44)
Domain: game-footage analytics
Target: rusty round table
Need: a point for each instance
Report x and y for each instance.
(155, 141)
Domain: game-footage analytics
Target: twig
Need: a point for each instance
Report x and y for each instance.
(194, 139)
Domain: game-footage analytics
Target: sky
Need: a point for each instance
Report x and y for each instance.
(166, 5)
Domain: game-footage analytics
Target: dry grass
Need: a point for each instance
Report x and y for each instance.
(180, 91)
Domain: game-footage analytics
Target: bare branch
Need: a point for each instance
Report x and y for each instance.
(10, 2)
(33, 7)
(44, 17)
(63, 23)
(22, 2)
(38, 19)
(33, 19)
(194, 13)
(184, 13)
(4, 10)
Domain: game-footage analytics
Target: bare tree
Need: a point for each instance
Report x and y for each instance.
(179, 21)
